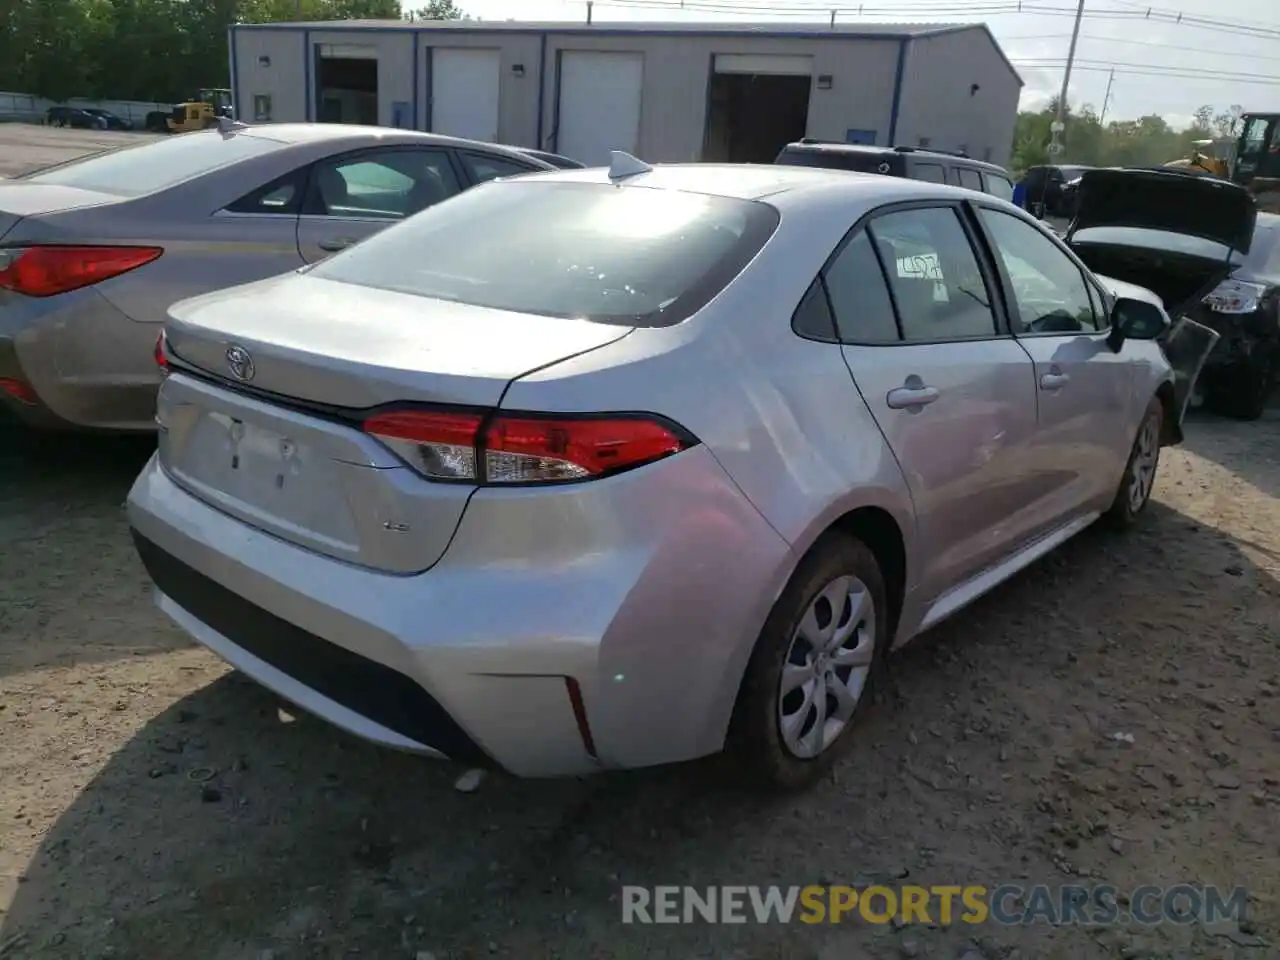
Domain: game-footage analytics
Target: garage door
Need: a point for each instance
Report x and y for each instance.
(764, 64)
(464, 93)
(599, 104)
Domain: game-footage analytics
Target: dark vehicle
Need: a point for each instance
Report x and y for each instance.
(1257, 159)
(1047, 192)
(1200, 244)
(73, 117)
(112, 121)
(913, 163)
(563, 163)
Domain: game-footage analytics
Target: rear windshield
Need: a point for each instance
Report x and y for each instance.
(856, 160)
(627, 255)
(1159, 240)
(136, 171)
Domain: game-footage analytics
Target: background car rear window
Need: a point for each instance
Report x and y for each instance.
(969, 179)
(634, 256)
(998, 186)
(484, 169)
(137, 171)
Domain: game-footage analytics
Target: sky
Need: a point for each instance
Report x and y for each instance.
(1162, 66)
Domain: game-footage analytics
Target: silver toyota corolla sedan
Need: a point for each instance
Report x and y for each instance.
(608, 468)
(93, 251)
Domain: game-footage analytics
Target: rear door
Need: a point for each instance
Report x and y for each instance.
(951, 391)
(355, 195)
(1085, 396)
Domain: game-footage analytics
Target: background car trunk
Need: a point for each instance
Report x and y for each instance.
(1180, 280)
(19, 199)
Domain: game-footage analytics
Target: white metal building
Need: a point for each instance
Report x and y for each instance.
(666, 92)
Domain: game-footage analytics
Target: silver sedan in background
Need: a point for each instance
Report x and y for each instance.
(93, 251)
(598, 469)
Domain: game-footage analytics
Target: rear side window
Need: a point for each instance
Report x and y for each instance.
(934, 274)
(281, 196)
(969, 179)
(932, 172)
(998, 186)
(484, 168)
(632, 255)
(859, 297)
(137, 171)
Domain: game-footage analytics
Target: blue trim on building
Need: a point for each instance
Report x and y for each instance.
(542, 88)
(555, 107)
(237, 105)
(309, 95)
(571, 31)
(429, 82)
(897, 92)
(417, 49)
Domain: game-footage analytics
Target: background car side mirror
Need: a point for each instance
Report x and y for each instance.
(1135, 320)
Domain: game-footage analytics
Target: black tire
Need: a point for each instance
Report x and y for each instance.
(756, 745)
(1125, 508)
(1244, 394)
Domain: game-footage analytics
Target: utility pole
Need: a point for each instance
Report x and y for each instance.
(1106, 99)
(1059, 124)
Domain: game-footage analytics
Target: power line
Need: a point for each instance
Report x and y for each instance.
(1144, 70)
(1136, 12)
(1236, 54)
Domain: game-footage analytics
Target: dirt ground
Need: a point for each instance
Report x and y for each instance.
(154, 805)
(25, 146)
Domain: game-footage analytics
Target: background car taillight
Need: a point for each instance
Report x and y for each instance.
(46, 271)
(158, 354)
(1235, 296)
(524, 448)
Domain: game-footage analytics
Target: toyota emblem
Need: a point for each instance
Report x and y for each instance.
(239, 362)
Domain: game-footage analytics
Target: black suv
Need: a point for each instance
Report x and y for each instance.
(914, 163)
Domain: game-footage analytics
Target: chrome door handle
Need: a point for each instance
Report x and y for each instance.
(906, 397)
(336, 244)
(1054, 381)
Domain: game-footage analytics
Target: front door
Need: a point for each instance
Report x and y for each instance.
(356, 195)
(952, 393)
(1084, 391)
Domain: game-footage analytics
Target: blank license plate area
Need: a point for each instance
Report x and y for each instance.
(269, 478)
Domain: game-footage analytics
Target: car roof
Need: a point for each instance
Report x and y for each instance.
(779, 184)
(835, 146)
(297, 133)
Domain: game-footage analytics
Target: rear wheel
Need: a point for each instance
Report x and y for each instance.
(1140, 472)
(1244, 395)
(815, 665)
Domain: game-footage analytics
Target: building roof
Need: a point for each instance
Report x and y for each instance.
(887, 30)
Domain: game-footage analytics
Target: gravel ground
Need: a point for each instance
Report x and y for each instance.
(157, 806)
(25, 146)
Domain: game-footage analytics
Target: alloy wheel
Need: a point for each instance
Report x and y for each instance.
(1142, 473)
(826, 667)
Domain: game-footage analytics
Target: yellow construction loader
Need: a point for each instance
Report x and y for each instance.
(1210, 157)
(201, 112)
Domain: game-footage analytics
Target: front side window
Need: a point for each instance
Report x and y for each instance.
(934, 274)
(137, 171)
(1049, 290)
(628, 255)
(386, 185)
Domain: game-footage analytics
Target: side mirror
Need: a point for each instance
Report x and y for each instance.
(1135, 320)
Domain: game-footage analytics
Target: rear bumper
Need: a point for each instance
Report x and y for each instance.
(651, 611)
(89, 364)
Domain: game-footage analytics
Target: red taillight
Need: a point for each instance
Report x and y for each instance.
(158, 355)
(18, 390)
(508, 449)
(49, 270)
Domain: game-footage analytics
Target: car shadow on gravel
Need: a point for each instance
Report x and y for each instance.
(228, 829)
(1248, 449)
(70, 584)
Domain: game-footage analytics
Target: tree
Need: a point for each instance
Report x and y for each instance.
(439, 10)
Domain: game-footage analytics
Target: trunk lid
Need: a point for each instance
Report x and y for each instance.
(276, 441)
(19, 199)
(1168, 202)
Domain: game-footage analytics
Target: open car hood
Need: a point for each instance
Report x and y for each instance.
(1167, 201)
